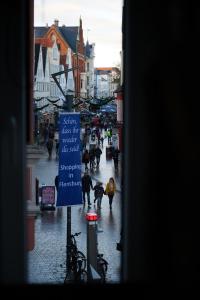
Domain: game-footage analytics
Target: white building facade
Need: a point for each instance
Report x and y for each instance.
(47, 62)
(103, 79)
(90, 80)
(107, 80)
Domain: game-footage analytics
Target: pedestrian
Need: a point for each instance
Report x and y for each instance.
(110, 190)
(86, 185)
(98, 134)
(51, 131)
(102, 139)
(92, 157)
(109, 135)
(98, 153)
(105, 126)
(115, 156)
(84, 141)
(98, 193)
(86, 159)
(49, 146)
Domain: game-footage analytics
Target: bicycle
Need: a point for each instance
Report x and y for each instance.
(77, 261)
(102, 267)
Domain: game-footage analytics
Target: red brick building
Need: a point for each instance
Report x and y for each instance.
(66, 37)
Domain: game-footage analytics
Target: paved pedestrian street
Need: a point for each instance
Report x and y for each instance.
(47, 261)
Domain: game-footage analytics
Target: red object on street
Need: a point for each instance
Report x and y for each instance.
(91, 216)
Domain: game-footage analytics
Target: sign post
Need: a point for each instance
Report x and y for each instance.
(69, 182)
(67, 107)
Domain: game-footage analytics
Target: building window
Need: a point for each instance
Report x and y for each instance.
(88, 67)
(81, 83)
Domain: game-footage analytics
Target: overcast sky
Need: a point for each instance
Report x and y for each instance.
(101, 20)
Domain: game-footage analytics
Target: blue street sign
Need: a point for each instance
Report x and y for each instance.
(69, 176)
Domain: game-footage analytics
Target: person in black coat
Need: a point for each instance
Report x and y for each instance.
(98, 153)
(115, 156)
(98, 193)
(86, 185)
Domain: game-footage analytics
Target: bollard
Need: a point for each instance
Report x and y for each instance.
(92, 245)
(30, 233)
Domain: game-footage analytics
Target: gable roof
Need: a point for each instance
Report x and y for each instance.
(70, 35)
(40, 31)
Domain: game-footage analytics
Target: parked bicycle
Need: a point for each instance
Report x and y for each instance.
(102, 267)
(77, 261)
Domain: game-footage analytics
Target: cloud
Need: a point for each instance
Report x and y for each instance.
(103, 18)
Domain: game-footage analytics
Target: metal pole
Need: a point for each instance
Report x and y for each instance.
(68, 236)
(92, 250)
(92, 244)
(69, 108)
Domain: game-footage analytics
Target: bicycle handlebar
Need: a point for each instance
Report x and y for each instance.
(75, 234)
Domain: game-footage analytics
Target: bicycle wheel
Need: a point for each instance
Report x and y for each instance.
(83, 258)
(81, 276)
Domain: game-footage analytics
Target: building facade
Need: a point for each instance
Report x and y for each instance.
(61, 48)
(68, 38)
(107, 81)
(90, 80)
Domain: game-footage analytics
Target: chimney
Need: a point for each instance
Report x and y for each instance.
(56, 22)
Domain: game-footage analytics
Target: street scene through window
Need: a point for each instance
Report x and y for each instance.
(74, 169)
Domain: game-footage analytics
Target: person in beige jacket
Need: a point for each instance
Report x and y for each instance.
(110, 190)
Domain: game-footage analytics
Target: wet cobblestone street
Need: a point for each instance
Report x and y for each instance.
(46, 262)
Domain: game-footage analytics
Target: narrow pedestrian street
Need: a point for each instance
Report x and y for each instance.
(47, 261)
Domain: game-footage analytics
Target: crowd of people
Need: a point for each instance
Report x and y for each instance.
(91, 157)
(98, 189)
(92, 140)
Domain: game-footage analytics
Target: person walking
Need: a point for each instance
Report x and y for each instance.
(86, 159)
(92, 158)
(98, 194)
(101, 139)
(109, 136)
(98, 153)
(115, 156)
(49, 145)
(110, 190)
(86, 185)
(84, 141)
